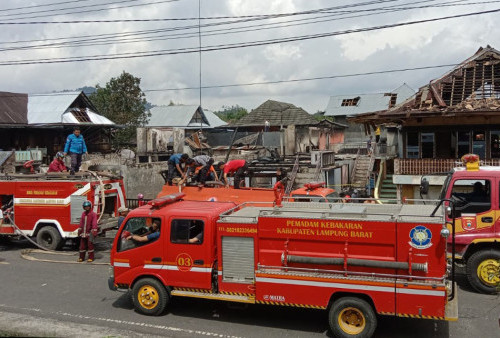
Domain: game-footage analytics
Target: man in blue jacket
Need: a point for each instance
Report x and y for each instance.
(75, 147)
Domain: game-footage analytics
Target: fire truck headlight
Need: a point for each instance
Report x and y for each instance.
(111, 272)
(445, 233)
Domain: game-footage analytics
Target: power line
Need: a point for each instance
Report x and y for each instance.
(90, 10)
(304, 79)
(194, 18)
(107, 39)
(232, 46)
(44, 5)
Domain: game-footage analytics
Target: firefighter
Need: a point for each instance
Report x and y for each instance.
(87, 231)
(201, 168)
(236, 167)
(75, 147)
(123, 211)
(174, 166)
(57, 165)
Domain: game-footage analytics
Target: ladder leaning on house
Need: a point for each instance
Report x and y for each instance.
(291, 178)
(360, 174)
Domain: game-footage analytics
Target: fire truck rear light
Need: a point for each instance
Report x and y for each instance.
(168, 199)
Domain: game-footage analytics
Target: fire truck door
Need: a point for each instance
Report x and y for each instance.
(473, 205)
(189, 253)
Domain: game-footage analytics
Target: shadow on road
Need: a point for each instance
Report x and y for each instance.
(287, 318)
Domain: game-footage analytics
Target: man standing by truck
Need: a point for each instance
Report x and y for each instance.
(75, 147)
(87, 231)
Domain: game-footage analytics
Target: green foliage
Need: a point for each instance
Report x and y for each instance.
(123, 102)
(231, 113)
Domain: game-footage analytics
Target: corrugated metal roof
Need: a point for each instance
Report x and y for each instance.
(182, 116)
(213, 119)
(56, 109)
(13, 108)
(367, 102)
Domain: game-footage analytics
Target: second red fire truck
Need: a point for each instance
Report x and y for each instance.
(353, 260)
(48, 206)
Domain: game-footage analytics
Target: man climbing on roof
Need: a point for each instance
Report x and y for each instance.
(201, 168)
(236, 168)
(174, 166)
(75, 147)
(57, 165)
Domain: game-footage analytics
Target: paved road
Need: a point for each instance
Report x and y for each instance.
(57, 299)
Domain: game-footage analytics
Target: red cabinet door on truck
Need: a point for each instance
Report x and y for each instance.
(189, 252)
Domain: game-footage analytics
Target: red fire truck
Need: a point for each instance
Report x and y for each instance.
(49, 206)
(475, 192)
(354, 260)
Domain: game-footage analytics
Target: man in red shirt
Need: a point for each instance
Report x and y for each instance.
(57, 165)
(87, 231)
(236, 167)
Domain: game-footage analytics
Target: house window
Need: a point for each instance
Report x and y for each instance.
(463, 141)
(479, 144)
(412, 145)
(81, 115)
(350, 102)
(427, 140)
(495, 143)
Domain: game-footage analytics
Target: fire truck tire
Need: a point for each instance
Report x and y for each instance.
(352, 317)
(150, 297)
(483, 271)
(49, 238)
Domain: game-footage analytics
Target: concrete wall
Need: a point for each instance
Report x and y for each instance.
(143, 178)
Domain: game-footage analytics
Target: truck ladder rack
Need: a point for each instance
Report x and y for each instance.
(214, 296)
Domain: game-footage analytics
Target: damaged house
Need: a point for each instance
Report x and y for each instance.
(171, 127)
(44, 121)
(455, 114)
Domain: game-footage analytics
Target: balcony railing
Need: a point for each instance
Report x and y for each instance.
(425, 166)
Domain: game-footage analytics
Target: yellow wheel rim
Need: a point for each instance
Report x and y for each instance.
(489, 272)
(148, 297)
(352, 321)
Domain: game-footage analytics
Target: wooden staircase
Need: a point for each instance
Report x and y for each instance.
(361, 171)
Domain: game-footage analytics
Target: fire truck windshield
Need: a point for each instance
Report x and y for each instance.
(442, 195)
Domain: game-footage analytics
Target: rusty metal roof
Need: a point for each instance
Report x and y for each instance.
(13, 108)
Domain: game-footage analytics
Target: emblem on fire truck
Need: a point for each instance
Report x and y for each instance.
(420, 237)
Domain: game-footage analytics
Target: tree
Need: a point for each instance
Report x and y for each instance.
(231, 114)
(123, 102)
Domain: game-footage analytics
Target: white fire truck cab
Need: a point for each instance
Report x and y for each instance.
(49, 206)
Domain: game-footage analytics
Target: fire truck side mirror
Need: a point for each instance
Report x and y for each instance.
(424, 186)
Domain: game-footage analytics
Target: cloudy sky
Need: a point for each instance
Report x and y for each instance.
(243, 42)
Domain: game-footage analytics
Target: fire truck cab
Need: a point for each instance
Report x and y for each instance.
(475, 192)
(353, 260)
(49, 206)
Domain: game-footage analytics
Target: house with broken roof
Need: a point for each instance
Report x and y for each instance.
(453, 115)
(169, 129)
(282, 125)
(342, 107)
(44, 121)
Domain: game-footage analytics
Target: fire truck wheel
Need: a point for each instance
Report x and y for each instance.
(150, 297)
(483, 271)
(49, 238)
(352, 317)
